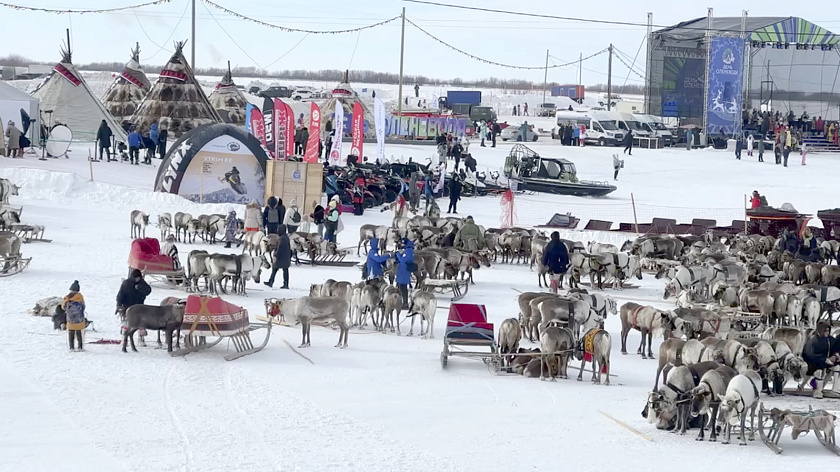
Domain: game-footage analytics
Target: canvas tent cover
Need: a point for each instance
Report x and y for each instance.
(176, 100)
(229, 101)
(11, 102)
(66, 93)
(129, 88)
(345, 95)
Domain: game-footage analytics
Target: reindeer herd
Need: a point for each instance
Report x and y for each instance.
(745, 311)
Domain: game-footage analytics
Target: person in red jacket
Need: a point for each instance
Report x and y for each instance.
(755, 201)
(359, 194)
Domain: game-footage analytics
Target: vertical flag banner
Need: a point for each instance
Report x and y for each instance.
(281, 134)
(358, 128)
(290, 130)
(312, 154)
(335, 152)
(268, 126)
(255, 121)
(726, 85)
(248, 127)
(379, 119)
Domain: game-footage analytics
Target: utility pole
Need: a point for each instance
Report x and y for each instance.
(545, 80)
(580, 70)
(399, 93)
(649, 63)
(609, 80)
(192, 47)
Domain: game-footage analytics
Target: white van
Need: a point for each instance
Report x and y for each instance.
(596, 132)
(628, 121)
(657, 128)
(602, 130)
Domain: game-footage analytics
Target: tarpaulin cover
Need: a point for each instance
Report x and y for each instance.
(212, 316)
(468, 321)
(145, 255)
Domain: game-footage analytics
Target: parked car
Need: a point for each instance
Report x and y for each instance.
(513, 133)
(302, 94)
(277, 91)
(254, 90)
(546, 109)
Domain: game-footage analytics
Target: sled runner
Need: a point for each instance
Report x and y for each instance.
(772, 423)
(467, 331)
(206, 316)
(459, 288)
(30, 233)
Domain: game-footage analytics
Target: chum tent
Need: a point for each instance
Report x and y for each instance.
(128, 90)
(12, 101)
(344, 94)
(176, 100)
(67, 95)
(228, 100)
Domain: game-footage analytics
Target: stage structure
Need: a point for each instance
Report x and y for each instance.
(707, 71)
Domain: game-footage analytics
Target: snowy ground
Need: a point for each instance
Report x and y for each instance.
(382, 404)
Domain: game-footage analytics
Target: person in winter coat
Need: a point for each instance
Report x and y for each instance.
(808, 249)
(133, 291)
(293, 217)
(375, 260)
(135, 142)
(298, 138)
(761, 148)
(330, 184)
(154, 135)
(469, 237)
(405, 266)
(454, 193)
(169, 249)
(163, 134)
(103, 139)
(413, 191)
(689, 138)
(331, 222)
(13, 140)
(617, 165)
(73, 305)
(317, 217)
(556, 259)
(739, 146)
(282, 258)
(273, 215)
(789, 242)
(497, 130)
(483, 132)
(304, 138)
(230, 228)
(755, 200)
(817, 354)
(253, 217)
(750, 143)
(628, 142)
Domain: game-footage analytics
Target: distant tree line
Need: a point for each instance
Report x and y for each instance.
(333, 75)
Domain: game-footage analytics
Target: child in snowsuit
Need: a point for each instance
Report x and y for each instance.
(230, 228)
(73, 305)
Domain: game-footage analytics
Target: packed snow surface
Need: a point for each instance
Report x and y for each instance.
(384, 403)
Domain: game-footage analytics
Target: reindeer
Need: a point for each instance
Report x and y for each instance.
(555, 345)
(139, 221)
(646, 319)
(305, 310)
(165, 225)
(705, 398)
(601, 343)
(167, 318)
(510, 333)
(741, 396)
(424, 305)
(181, 223)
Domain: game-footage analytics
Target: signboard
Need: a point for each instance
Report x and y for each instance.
(725, 86)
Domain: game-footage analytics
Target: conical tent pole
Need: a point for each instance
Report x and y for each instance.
(192, 46)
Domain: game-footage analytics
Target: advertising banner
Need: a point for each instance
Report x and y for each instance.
(379, 119)
(290, 131)
(268, 126)
(358, 129)
(313, 144)
(725, 85)
(280, 131)
(255, 123)
(224, 170)
(682, 87)
(336, 159)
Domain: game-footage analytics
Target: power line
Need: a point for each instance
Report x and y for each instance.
(160, 48)
(587, 20)
(68, 11)
(287, 52)
(233, 40)
(487, 61)
(295, 30)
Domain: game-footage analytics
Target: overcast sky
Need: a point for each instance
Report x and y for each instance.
(501, 38)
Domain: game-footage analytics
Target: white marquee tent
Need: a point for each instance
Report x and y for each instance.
(12, 101)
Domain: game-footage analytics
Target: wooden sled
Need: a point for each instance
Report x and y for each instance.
(13, 265)
(459, 288)
(241, 342)
(771, 425)
(30, 233)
